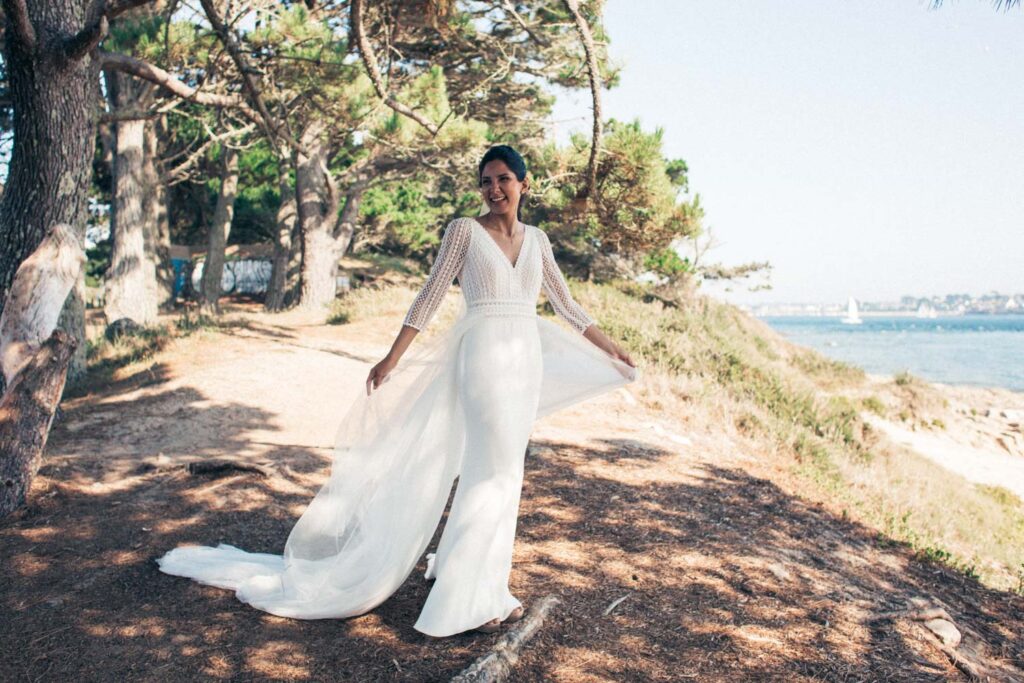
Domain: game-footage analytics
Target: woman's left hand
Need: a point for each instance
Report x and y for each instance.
(599, 339)
(620, 354)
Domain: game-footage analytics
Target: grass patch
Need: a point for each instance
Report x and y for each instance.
(904, 379)
(873, 404)
(818, 366)
(1003, 496)
(339, 313)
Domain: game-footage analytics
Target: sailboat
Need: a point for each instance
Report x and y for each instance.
(852, 316)
(925, 310)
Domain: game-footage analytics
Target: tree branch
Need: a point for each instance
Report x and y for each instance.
(373, 71)
(95, 30)
(510, 8)
(128, 115)
(119, 7)
(595, 91)
(154, 74)
(17, 19)
(228, 39)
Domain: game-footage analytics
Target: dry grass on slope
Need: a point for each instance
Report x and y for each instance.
(709, 363)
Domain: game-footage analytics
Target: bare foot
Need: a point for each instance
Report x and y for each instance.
(515, 615)
(490, 627)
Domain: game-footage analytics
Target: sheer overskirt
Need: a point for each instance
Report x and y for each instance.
(397, 453)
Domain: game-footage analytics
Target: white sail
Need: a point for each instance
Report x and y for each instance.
(852, 314)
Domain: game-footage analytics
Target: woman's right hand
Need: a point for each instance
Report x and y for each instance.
(379, 373)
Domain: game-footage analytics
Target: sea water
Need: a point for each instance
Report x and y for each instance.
(983, 350)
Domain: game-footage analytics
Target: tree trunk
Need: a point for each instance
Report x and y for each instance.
(318, 216)
(158, 226)
(72, 321)
(220, 228)
(26, 414)
(284, 273)
(35, 358)
(54, 102)
(350, 214)
(130, 282)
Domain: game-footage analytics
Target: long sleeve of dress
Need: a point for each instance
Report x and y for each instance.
(450, 257)
(558, 291)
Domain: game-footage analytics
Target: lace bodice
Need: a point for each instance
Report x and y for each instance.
(486, 274)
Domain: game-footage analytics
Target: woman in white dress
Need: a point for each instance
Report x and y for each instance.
(462, 407)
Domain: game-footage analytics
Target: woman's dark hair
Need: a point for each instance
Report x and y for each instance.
(513, 160)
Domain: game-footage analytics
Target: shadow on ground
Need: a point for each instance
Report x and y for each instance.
(725, 576)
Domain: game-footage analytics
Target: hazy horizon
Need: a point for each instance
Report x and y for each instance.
(867, 149)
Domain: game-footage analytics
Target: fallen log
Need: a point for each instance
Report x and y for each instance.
(497, 665)
(964, 648)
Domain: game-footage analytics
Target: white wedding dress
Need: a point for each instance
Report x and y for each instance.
(462, 407)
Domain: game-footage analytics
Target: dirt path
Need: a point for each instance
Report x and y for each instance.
(726, 576)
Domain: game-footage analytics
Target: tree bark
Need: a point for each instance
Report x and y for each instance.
(220, 228)
(26, 414)
(54, 102)
(34, 366)
(158, 226)
(317, 203)
(130, 282)
(284, 274)
(350, 214)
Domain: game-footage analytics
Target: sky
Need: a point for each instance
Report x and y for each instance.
(867, 148)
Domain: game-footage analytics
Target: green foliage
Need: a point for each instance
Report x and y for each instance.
(940, 555)
(677, 172)
(637, 212)
(820, 366)
(255, 216)
(667, 262)
(403, 217)
(97, 262)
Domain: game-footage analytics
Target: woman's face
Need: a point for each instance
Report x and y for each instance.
(500, 188)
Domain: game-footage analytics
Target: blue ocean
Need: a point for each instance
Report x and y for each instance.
(982, 350)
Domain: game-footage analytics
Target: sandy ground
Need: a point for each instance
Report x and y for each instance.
(979, 465)
(724, 574)
(977, 433)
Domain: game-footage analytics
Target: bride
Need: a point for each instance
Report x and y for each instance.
(463, 407)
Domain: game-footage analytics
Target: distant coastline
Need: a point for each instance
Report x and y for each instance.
(992, 303)
(785, 310)
(973, 349)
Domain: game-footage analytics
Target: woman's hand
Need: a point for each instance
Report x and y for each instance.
(619, 353)
(379, 373)
(599, 339)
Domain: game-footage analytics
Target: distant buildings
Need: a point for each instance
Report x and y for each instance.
(992, 303)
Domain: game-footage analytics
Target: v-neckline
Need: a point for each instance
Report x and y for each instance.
(501, 252)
